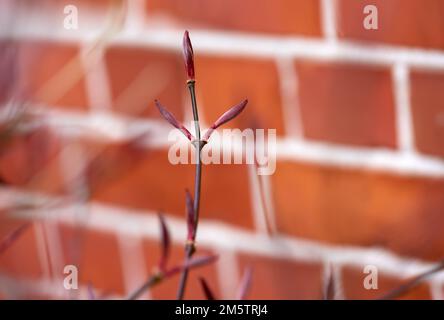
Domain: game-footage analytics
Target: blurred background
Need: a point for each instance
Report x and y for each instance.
(359, 116)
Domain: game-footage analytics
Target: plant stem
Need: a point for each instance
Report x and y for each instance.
(412, 283)
(149, 283)
(198, 144)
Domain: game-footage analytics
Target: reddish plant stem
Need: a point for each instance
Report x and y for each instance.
(412, 283)
(198, 144)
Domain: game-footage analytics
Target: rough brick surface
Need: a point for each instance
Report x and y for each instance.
(21, 259)
(284, 17)
(30, 160)
(52, 74)
(238, 79)
(282, 279)
(138, 76)
(344, 103)
(361, 208)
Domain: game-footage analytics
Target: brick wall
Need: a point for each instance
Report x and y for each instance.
(359, 116)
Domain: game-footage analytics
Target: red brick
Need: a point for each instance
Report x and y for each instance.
(283, 17)
(168, 288)
(21, 259)
(347, 104)
(52, 74)
(362, 208)
(31, 160)
(413, 23)
(428, 111)
(353, 286)
(155, 184)
(8, 69)
(96, 255)
(278, 279)
(237, 79)
(138, 76)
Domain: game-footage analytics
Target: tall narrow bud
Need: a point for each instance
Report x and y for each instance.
(188, 56)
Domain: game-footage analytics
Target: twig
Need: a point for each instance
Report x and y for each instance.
(198, 144)
(412, 283)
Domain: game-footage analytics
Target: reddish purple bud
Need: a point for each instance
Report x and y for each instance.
(165, 243)
(190, 217)
(12, 237)
(173, 121)
(206, 289)
(245, 284)
(227, 116)
(188, 56)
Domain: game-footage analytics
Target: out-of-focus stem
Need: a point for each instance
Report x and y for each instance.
(412, 283)
(149, 283)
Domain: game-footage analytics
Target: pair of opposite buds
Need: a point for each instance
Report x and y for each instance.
(188, 56)
(162, 270)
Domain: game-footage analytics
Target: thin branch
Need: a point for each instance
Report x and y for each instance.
(412, 283)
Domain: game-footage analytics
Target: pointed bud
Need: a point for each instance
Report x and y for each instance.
(190, 217)
(206, 289)
(165, 243)
(245, 284)
(188, 56)
(173, 121)
(227, 116)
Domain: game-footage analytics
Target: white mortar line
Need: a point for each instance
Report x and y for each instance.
(227, 273)
(328, 14)
(289, 89)
(217, 236)
(333, 272)
(379, 159)
(112, 127)
(41, 248)
(339, 283)
(267, 191)
(96, 78)
(133, 263)
(55, 251)
(244, 44)
(256, 200)
(135, 15)
(404, 127)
